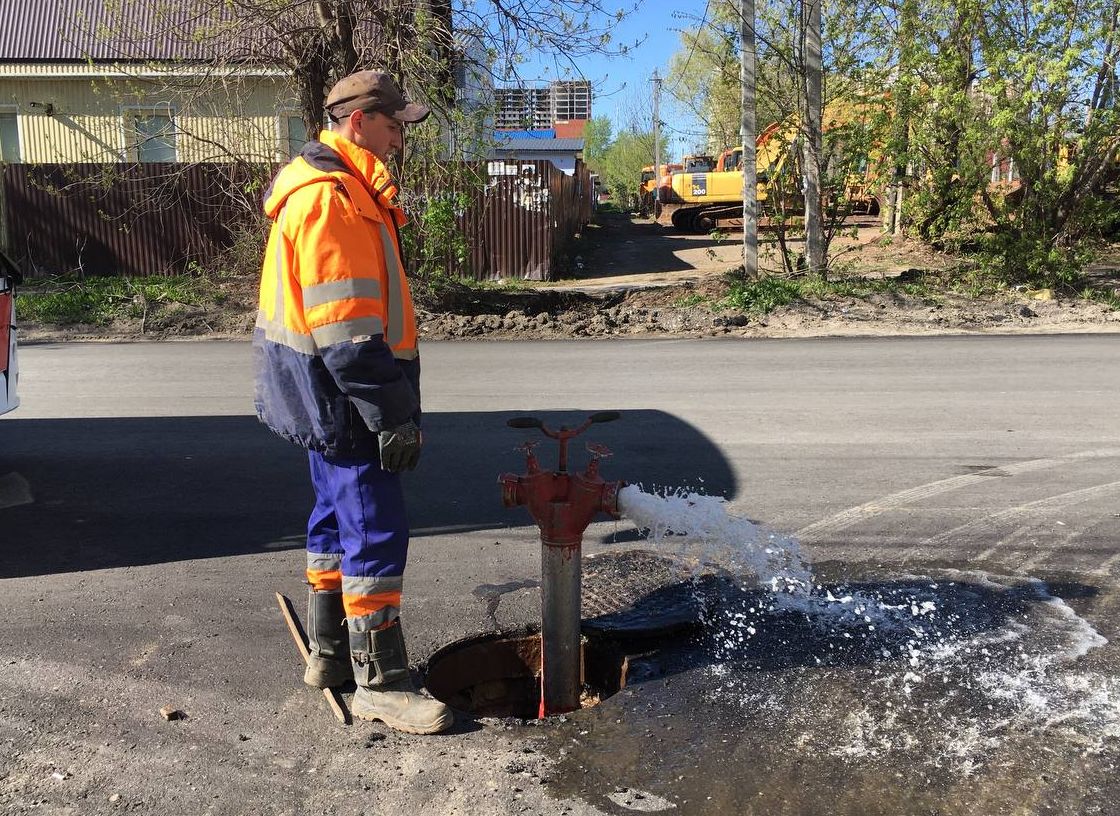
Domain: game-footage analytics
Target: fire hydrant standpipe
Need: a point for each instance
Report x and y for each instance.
(562, 504)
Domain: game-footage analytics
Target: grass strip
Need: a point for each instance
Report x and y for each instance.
(100, 301)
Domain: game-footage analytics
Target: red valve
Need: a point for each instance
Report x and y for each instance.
(562, 503)
(597, 452)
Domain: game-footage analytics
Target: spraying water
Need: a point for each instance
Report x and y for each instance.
(695, 519)
(699, 528)
(964, 660)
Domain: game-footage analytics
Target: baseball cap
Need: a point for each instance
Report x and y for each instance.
(373, 91)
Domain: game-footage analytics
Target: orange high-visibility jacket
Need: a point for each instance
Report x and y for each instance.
(335, 342)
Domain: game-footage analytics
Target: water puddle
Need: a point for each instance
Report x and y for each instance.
(842, 688)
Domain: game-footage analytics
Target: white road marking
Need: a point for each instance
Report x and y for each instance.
(994, 520)
(855, 515)
(1106, 566)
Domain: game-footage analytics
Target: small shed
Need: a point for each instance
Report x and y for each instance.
(563, 153)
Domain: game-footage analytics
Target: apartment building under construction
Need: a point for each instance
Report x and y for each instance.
(526, 108)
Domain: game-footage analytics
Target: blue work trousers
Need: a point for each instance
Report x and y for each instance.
(357, 538)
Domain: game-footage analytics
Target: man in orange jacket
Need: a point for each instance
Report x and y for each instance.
(338, 373)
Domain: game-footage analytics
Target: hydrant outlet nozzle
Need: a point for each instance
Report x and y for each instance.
(512, 495)
(610, 498)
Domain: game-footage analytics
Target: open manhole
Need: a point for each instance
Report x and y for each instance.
(629, 599)
(498, 675)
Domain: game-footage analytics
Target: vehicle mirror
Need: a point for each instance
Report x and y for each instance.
(9, 269)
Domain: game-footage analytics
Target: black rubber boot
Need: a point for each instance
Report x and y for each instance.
(385, 690)
(329, 664)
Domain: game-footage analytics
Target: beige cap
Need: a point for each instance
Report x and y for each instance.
(373, 91)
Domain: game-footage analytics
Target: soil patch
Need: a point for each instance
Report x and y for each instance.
(632, 278)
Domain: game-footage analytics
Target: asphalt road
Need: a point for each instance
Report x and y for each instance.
(146, 520)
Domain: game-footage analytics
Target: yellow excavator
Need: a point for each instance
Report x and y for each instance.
(649, 184)
(702, 201)
(698, 201)
(689, 164)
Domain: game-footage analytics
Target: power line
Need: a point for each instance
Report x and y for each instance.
(692, 49)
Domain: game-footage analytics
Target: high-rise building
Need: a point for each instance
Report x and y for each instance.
(525, 108)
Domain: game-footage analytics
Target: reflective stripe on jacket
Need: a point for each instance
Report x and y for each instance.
(335, 342)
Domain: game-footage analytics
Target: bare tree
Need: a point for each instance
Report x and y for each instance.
(303, 46)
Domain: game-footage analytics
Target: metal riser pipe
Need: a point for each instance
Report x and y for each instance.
(561, 679)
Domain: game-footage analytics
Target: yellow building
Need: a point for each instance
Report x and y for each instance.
(71, 92)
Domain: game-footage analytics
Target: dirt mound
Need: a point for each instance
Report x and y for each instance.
(667, 311)
(635, 279)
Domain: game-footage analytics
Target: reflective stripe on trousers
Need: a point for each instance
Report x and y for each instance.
(359, 523)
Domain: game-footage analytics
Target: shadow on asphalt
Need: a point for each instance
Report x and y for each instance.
(125, 492)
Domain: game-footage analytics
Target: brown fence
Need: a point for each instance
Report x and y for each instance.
(520, 223)
(153, 219)
(161, 219)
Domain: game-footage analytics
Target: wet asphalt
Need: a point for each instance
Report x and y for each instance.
(964, 488)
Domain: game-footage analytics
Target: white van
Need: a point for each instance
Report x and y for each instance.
(9, 374)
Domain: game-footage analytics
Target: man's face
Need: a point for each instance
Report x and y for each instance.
(381, 135)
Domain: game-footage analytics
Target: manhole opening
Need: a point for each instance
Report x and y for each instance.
(498, 675)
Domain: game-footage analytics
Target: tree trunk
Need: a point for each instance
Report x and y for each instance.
(811, 144)
(748, 128)
(900, 121)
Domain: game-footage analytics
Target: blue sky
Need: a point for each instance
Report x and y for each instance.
(622, 85)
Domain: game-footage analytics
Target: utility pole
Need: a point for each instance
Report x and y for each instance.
(656, 80)
(747, 130)
(811, 154)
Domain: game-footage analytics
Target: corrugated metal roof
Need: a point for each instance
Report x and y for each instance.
(124, 70)
(531, 144)
(525, 134)
(81, 30)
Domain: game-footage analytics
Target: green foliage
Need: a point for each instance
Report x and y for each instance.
(435, 242)
(1033, 261)
(619, 161)
(688, 301)
(856, 122)
(1034, 85)
(1023, 86)
(704, 75)
(596, 141)
(608, 207)
(974, 280)
(242, 256)
(1106, 297)
(761, 296)
(100, 301)
(823, 288)
(436, 193)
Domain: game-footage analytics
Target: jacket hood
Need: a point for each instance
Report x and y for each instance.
(326, 159)
(292, 176)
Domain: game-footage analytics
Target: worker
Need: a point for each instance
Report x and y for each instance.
(338, 373)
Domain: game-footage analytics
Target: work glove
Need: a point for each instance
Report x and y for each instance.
(400, 447)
